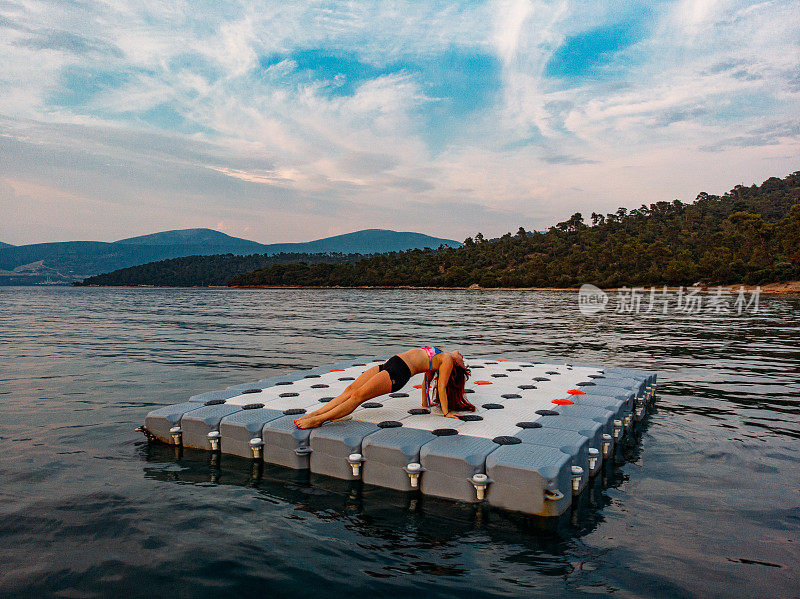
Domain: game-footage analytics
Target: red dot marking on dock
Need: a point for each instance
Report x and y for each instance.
(483, 382)
(417, 386)
(576, 392)
(563, 402)
(337, 370)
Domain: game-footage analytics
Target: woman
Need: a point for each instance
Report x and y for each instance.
(445, 376)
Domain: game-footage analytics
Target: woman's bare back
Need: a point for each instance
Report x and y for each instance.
(417, 360)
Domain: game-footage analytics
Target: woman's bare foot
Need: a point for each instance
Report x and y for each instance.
(309, 421)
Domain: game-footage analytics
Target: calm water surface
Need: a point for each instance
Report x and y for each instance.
(706, 503)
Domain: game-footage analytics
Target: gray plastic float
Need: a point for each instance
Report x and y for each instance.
(539, 432)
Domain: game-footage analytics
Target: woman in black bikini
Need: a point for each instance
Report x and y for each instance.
(445, 376)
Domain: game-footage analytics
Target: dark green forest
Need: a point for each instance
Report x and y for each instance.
(749, 235)
(202, 271)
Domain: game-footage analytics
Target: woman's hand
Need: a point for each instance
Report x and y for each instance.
(451, 415)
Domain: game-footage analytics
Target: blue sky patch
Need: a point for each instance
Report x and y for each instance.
(466, 80)
(594, 53)
(340, 72)
(79, 85)
(457, 82)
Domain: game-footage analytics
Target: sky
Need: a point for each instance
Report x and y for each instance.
(284, 121)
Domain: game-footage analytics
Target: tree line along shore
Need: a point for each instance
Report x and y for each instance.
(750, 236)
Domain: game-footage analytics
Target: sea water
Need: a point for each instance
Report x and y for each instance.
(705, 501)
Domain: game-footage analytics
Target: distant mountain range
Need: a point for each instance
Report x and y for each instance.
(65, 262)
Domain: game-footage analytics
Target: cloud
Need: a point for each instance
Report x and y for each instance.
(771, 135)
(566, 159)
(292, 119)
(65, 41)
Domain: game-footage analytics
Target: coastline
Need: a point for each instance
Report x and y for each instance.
(783, 288)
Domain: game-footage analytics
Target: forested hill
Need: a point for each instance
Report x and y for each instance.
(749, 235)
(202, 271)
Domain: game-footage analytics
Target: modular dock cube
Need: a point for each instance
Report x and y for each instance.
(285, 444)
(333, 443)
(592, 430)
(388, 453)
(450, 464)
(162, 421)
(197, 424)
(535, 482)
(571, 443)
(538, 433)
(241, 431)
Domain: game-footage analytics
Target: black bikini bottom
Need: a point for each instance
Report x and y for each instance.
(398, 371)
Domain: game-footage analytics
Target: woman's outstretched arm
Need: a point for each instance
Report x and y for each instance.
(445, 369)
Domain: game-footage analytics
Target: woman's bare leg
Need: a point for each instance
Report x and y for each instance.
(344, 395)
(379, 384)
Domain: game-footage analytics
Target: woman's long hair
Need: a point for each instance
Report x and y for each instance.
(455, 389)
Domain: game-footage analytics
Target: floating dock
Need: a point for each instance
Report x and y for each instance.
(539, 432)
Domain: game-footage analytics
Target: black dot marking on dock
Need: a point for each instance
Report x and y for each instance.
(285, 383)
(288, 394)
(444, 432)
(490, 362)
(347, 378)
(359, 364)
(469, 390)
(526, 366)
(529, 424)
(473, 367)
(547, 412)
(510, 396)
(398, 394)
(586, 384)
(499, 375)
(470, 417)
(311, 376)
(552, 372)
(252, 406)
(514, 369)
(506, 440)
(541, 378)
(320, 386)
(294, 412)
(419, 411)
(527, 387)
(325, 399)
(214, 402)
(252, 391)
(493, 406)
(390, 424)
(372, 404)
(596, 376)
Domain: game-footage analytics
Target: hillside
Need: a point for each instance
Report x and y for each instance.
(65, 262)
(749, 235)
(368, 241)
(190, 240)
(201, 271)
(5, 245)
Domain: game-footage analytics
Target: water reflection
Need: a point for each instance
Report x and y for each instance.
(404, 523)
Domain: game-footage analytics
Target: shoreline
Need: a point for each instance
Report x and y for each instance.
(784, 288)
